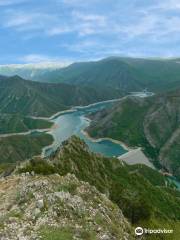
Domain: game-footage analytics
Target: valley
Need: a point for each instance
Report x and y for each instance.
(105, 125)
(74, 122)
(25, 108)
(89, 120)
(44, 99)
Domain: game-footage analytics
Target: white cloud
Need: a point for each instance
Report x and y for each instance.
(40, 61)
(82, 46)
(79, 3)
(89, 24)
(28, 21)
(97, 27)
(72, 2)
(19, 20)
(100, 19)
(145, 26)
(149, 22)
(167, 5)
(89, 49)
(59, 30)
(39, 65)
(10, 2)
(37, 58)
(81, 23)
(151, 26)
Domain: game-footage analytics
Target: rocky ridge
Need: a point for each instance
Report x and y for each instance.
(34, 207)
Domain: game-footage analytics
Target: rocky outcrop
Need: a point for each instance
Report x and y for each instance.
(38, 207)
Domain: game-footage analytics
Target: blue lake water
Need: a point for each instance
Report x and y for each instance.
(72, 123)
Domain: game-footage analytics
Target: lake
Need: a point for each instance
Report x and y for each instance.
(73, 123)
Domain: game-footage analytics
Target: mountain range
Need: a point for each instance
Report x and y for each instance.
(117, 73)
(30, 71)
(44, 99)
(21, 100)
(75, 193)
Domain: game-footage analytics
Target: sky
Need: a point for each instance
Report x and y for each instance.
(33, 31)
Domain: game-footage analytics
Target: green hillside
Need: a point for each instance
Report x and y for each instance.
(16, 123)
(44, 99)
(139, 191)
(152, 123)
(126, 74)
(115, 73)
(18, 148)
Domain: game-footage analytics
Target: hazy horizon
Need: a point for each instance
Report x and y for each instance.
(61, 64)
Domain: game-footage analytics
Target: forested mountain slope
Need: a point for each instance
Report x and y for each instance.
(44, 99)
(117, 73)
(153, 123)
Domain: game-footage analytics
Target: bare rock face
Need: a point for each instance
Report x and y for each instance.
(40, 204)
(38, 207)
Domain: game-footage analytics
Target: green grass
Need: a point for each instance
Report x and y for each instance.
(153, 176)
(19, 148)
(16, 123)
(51, 233)
(6, 167)
(66, 233)
(39, 166)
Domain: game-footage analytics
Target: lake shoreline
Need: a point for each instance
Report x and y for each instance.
(129, 150)
(122, 144)
(79, 109)
(44, 130)
(76, 108)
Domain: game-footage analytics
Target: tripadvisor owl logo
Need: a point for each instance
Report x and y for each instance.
(139, 231)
